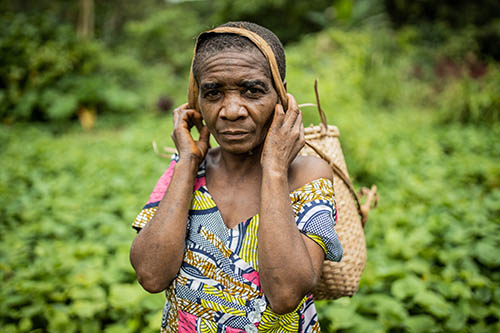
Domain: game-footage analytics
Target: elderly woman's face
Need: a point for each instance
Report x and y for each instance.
(237, 99)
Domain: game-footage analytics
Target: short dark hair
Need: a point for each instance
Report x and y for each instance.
(211, 43)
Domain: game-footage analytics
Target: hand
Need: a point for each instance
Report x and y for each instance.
(184, 120)
(285, 137)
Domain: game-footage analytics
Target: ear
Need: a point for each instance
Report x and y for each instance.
(284, 85)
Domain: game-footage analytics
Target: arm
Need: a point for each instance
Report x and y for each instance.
(157, 251)
(289, 262)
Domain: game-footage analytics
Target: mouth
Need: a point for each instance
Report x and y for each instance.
(234, 134)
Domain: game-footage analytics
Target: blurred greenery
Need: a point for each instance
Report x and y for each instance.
(418, 108)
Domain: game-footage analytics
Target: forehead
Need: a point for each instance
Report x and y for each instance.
(232, 64)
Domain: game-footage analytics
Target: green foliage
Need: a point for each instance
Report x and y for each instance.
(65, 202)
(473, 101)
(481, 16)
(154, 42)
(288, 19)
(47, 73)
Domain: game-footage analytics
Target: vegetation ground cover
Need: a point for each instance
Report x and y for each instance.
(68, 197)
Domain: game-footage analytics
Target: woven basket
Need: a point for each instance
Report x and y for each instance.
(342, 278)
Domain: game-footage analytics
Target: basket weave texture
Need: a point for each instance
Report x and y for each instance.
(339, 279)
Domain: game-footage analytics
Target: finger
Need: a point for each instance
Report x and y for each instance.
(292, 113)
(279, 115)
(299, 144)
(198, 120)
(297, 123)
(178, 112)
(176, 116)
(188, 117)
(180, 108)
(204, 135)
(302, 137)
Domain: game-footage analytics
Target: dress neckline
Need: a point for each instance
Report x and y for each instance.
(202, 174)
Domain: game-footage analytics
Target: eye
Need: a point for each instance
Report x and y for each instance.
(212, 94)
(253, 92)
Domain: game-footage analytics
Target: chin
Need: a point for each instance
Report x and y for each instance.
(239, 149)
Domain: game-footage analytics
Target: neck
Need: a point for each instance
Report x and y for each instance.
(240, 165)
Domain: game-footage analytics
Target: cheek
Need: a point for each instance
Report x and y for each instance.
(206, 114)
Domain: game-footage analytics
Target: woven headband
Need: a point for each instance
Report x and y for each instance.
(261, 44)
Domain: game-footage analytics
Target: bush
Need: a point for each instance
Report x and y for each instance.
(472, 101)
(47, 73)
(163, 38)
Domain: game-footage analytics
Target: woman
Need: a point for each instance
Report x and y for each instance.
(237, 234)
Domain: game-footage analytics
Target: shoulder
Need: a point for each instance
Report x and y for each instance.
(305, 169)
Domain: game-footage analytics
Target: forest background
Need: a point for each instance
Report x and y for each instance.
(87, 86)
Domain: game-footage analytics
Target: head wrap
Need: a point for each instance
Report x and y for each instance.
(261, 44)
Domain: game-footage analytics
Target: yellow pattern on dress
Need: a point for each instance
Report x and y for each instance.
(196, 309)
(201, 201)
(248, 250)
(172, 318)
(289, 322)
(145, 215)
(221, 308)
(215, 241)
(318, 240)
(315, 190)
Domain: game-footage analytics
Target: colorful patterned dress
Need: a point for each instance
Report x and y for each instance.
(217, 288)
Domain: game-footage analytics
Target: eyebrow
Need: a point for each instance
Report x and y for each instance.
(253, 83)
(210, 85)
(245, 84)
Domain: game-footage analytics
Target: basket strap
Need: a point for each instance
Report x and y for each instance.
(338, 171)
(371, 194)
(371, 202)
(261, 44)
(322, 114)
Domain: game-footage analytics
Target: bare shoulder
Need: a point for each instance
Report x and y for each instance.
(305, 169)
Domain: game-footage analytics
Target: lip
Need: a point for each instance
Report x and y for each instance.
(234, 134)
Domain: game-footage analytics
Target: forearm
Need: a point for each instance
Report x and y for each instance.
(285, 266)
(157, 251)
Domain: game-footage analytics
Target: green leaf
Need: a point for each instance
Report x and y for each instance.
(456, 321)
(125, 296)
(421, 324)
(433, 303)
(487, 253)
(87, 309)
(407, 287)
(341, 317)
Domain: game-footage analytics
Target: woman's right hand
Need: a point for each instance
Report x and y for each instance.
(184, 119)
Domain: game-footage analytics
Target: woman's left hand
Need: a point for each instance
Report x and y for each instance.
(285, 137)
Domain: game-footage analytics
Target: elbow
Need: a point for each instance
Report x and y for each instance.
(288, 299)
(150, 277)
(149, 280)
(286, 303)
(151, 284)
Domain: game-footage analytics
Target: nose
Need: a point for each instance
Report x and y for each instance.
(233, 107)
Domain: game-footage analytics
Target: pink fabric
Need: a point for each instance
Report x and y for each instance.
(252, 277)
(199, 182)
(162, 184)
(187, 322)
(164, 181)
